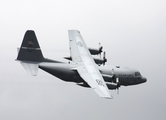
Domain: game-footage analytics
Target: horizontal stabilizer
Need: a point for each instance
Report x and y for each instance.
(31, 68)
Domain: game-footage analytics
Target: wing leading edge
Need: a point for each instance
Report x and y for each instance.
(87, 70)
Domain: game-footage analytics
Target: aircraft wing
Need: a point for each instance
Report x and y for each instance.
(87, 70)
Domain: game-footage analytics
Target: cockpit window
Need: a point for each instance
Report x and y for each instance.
(137, 74)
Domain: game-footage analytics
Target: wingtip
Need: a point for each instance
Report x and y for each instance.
(74, 30)
(108, 97)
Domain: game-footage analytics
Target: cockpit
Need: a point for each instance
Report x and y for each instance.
(137, 74)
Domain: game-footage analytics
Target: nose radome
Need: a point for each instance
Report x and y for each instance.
(144, 79)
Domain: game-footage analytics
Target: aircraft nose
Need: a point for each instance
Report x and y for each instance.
(144, 79)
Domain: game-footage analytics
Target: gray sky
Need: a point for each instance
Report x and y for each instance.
(132, 33)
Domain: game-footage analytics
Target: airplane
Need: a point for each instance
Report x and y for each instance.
(83, 69)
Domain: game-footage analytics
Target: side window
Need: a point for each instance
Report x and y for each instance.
(137, 74)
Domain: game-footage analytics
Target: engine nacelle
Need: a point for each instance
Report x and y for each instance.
(83, 84)
(68, 58)
(112, 86)
(97, 61)
(100, 61)
(95, 51)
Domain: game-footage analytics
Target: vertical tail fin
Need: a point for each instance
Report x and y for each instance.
(30, 49)
(29, 54)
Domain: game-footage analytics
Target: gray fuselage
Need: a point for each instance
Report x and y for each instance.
(68, 73)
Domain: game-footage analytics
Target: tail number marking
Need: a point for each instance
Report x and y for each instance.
(99, 82)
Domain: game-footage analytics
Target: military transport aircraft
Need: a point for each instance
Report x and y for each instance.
(83, 70)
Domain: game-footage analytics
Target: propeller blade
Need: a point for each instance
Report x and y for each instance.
(104, 58)
(117, 80)
(104, 55)
(118, 85)
(99, 44)
(100, 47)
(118, 90)
(112, 71)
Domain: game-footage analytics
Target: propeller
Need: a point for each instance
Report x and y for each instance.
(104, 58)
(118, 85)
(116, 80)
(100, 49)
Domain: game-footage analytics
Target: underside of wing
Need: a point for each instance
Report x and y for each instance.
(87, 69)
